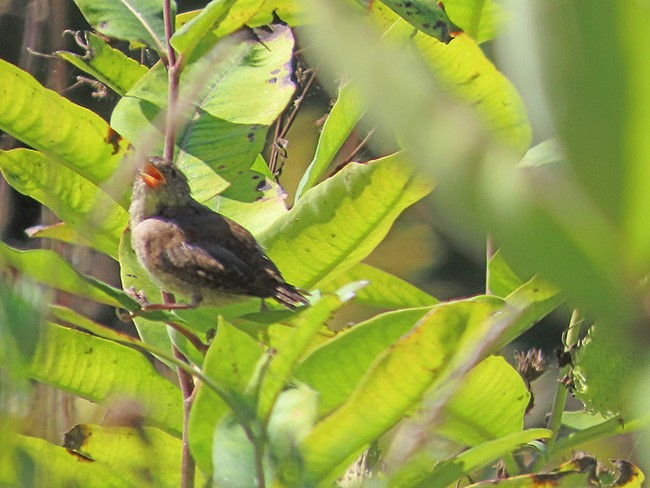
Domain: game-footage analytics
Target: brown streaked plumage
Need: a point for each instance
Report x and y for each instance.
(190, 250)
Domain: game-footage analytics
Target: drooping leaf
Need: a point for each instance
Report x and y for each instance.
(49, 268)
(461, 70)
(103, 371)
(395, 383)
(68, 133)
(73, 198)
(231, 94)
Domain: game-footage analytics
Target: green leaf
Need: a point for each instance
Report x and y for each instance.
(133, 20)
(144, 456)
(425, 473)
(110, 66)
(384, 290)
(335, 368)
(604, 358)
(22, 306)
(462, 71)
(342, 119)
(292, 418)
(394, 384)
(426, 16)
(68, 133)
(489, 404)
(219, 18)
(480, 19)
(586, 98)
(233, 456)
(230, 362)
(36, 462)
(501, 279)
(234, 92)
(278, 371)
(78, 202)
(103, 371)
(339, 222)
(292, 12)
(49, 268)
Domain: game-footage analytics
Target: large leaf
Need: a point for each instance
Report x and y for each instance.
(68, 133)
(395, 383)
(335, 368)
(231, 95)
(103, 371)
(134, 20)
(489, 404)
(339, 222)
(462, 70)
(74, 199)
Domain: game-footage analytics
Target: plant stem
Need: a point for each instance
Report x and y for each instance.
(173, 74)
(186, 383)
(559, 402)
(489, 252)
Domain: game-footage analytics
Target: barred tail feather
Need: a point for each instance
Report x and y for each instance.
(289, 296)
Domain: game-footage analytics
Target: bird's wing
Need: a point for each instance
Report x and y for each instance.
(212, 266)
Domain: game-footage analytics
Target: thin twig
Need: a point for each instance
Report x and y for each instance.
(359, 146)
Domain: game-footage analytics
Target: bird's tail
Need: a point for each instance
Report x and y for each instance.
(289, 296)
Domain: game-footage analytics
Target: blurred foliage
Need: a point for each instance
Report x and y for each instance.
(282, 398)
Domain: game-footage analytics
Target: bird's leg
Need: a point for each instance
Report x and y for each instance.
(146, 306)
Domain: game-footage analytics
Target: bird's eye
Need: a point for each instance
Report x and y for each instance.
(173, 173)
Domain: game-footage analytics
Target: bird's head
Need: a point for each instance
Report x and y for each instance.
(159, 184)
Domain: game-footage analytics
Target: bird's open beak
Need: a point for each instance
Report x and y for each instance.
(151, 176)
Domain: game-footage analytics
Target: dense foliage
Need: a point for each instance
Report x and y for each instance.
(415, 395)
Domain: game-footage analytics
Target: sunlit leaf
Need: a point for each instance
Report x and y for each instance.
(103, 371)
(340, 221)
(73, 198)
(68, 133)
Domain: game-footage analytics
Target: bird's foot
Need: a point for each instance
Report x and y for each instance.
(146, 306)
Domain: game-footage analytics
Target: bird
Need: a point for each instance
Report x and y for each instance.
(190, 250)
